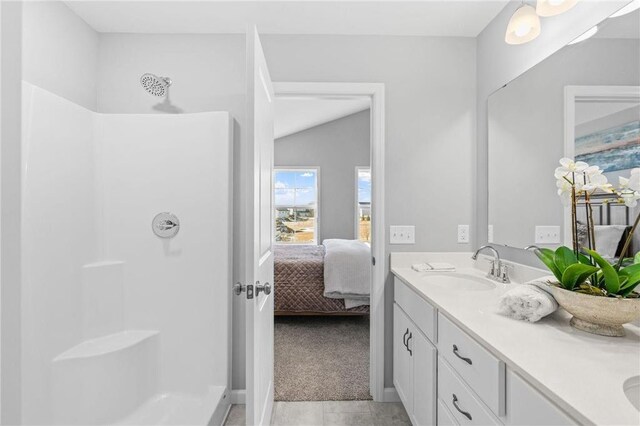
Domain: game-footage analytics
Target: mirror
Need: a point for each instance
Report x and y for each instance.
(582, 102)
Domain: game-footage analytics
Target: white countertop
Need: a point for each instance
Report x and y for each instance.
(582, 373)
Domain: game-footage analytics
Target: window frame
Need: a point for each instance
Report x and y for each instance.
(316, 230)
(357, 201)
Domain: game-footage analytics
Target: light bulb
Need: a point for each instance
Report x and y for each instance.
(523, 26)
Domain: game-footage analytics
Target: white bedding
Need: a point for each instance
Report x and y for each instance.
(347, 271)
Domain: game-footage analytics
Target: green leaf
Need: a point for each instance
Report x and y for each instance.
(630, 270)
(636, 258)
(546, 256)
(631, 280)
(584, 259)
(627, 291)
(611, 279)
(564, 257)
(576, 274)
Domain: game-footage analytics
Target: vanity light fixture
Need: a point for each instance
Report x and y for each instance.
(631, 7)
(588, 34)
(548, 8)
(524, 25)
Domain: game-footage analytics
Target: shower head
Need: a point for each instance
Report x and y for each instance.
(155, 85)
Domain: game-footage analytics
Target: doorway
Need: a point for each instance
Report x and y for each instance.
(374, 94)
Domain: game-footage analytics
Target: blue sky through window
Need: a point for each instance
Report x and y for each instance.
(364, 185)
(296, 187)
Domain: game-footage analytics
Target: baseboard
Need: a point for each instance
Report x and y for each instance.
(239, 396)
(390, 395)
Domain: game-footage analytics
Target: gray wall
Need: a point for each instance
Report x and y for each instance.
(430, 89)
(497, 64)
(60, 52)
(618, 118)
(430, 128)
(337, 147)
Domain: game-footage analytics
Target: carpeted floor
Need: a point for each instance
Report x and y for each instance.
(321, 358)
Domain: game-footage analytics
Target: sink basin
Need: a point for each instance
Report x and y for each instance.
(460, 281)
(631, 388)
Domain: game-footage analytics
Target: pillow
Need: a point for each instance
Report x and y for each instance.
(608, 238)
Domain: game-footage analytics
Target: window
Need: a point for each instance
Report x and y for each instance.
(363, 204)
(296, 204)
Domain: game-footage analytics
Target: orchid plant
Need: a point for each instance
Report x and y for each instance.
(582, 269)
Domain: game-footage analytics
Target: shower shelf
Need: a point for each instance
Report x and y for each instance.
(106, 344)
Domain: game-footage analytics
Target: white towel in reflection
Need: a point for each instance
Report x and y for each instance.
(528, 302)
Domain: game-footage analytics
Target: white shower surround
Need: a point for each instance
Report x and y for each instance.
(120, 326)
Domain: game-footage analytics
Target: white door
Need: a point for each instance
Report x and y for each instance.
(259, 238)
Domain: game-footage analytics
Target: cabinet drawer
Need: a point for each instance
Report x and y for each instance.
(465, 407)
(482, 371)
(421, 312)
(445, 418)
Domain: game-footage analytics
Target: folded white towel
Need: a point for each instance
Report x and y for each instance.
(433, 267)
(528, 302)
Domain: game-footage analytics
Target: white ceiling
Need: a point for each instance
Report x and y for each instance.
(466, 18)
(293, 115)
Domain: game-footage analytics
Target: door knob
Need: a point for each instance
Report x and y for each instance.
(239, 288)
(265, 288)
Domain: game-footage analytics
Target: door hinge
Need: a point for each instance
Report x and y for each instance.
(373, 260)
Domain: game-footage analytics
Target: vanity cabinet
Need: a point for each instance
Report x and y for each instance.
(443, 376)
(527, 406)
(414, 366)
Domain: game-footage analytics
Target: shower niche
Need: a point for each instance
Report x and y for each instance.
(124, 327)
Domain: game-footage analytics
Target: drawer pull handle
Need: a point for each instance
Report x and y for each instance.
(404, 338)
(455, 404)
(455, 352)
(408, 348)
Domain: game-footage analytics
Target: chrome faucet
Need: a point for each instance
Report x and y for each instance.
(498, 271)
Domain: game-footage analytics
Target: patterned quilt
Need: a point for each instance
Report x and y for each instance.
(299, 282)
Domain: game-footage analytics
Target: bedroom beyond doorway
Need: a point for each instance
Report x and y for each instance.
(322, 254)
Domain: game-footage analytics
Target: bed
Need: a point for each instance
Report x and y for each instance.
(299, 277)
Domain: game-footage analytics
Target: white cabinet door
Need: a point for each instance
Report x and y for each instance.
(527, 406)
(424, 356)
(402, 365)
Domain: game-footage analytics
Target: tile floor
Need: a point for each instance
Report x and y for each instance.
(329, 413)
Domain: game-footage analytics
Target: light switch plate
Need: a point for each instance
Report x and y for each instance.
(402, 234)
(547, 235)
(463, 234)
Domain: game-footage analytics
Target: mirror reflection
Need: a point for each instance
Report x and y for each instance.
(581, 103)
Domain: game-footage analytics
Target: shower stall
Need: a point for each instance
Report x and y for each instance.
(125, 319)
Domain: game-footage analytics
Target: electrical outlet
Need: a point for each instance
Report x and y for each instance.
(463, 234)
(402, 235)
(547, 235)
(490, 234)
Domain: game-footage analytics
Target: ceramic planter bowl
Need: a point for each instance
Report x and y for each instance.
(595, 314)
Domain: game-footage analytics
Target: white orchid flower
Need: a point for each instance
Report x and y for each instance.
(630, 197)
(569, 166)
(564, 191)
(597, 181)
